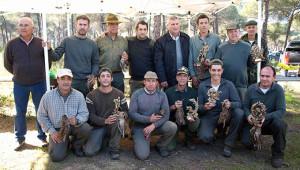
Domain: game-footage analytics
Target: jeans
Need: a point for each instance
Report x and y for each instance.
(21, 95)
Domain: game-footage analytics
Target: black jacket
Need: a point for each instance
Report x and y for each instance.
(165, 57)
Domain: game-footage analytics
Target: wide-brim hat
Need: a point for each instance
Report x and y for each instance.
(111, 19)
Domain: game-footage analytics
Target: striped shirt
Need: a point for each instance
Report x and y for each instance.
(52, 107)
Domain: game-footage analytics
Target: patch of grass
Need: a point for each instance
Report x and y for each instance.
(6, 100)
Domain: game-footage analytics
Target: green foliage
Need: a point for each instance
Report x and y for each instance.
(274, 63)
(6, 100)
(249, 10)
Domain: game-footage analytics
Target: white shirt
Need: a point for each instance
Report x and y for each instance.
(264, 90)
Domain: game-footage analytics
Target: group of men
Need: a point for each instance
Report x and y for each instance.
(168, 63)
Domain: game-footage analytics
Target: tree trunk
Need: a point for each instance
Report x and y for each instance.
(39, 24)
(266, 17)
(157, 24)
(289, 26)
(149, 29)
(27, 14)
(164, 28)
(217, 24)
(58, 31)
(3, 36)
(5, 26)
(102, 19)
(72, 24)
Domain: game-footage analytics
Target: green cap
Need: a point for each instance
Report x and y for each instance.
(183, 70)
(252, 22)
(232, 26)
(216, 62)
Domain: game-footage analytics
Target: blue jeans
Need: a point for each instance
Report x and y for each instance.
(21, 95)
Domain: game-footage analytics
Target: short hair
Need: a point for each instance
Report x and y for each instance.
(29, 19)
(142, 23)
(273, 69)
(105, 70)
(202, 16)
(84, 17)
(172, 18)
(216, 62)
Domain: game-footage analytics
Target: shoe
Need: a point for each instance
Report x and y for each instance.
(190, 145)
(227, 151)
(78, 152)
(162, 152)
(276, 163)
(44, 143)
(19, 145)
(211, 143)
(114, 155)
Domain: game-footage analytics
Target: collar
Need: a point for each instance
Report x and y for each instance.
(82, 38)
(199, 36)
(273, 87)
(110, 37)
(146, 91)
(184, 90)
(27, 43)
(208, 83)
(173, 38)
(68, 94)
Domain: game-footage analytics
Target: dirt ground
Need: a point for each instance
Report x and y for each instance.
(204, 157)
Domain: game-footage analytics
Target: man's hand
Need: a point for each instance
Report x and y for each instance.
(164, 84)
(207, 63)
(91, 79)
(195, 81)
(154, 118)
(255, 124)
(102, 35)
(178, 104)
(125, 57)
(48, 45)
(262, 59)
(208, 106)
(110, 120)
(72, 120)
(147, 131)
(227, 103)
(55, 137)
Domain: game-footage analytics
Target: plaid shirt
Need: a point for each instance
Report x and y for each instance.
(52, 107)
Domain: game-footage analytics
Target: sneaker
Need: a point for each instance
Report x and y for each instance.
(276, 163)
(114, 155)
(162, 152)
(19, 145)
(78, 152)
(227, 151)
(44, 143)
(190, 145)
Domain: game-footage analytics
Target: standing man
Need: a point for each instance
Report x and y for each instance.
(59, 102)
(101, 105)
(140, 56)
(211, 113)
(251, 37)
(272, 96)
(143, 104)
(236, 57)
(112, 47)
(171, 53)
(24, 58)
(197, 43)
(81, 55)
(179, 98)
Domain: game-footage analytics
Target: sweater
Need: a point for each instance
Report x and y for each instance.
(81, 56)
(174, 94)
(26, 63)
(140, 56)
(143, 105)
(274, 100)
(236, 58)
(228, 92)
(101, 105)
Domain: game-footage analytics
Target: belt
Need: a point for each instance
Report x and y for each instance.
(114, 72)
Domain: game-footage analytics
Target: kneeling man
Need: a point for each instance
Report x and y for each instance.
(101, 105)
(272, 96)
(211, 112)
(144, 103)
(61, 101)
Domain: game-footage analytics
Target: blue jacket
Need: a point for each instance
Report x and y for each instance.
(165, 57)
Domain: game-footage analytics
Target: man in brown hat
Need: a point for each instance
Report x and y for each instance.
(236, 57)
(144, 103)
(112, 48)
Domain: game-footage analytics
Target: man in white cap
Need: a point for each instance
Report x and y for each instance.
(144, 103)
(58, 102)
(113, 47)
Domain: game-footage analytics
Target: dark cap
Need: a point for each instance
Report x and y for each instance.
(232, 26)
(216, 62)
(252, 22)
(183, 70)
(105, 70)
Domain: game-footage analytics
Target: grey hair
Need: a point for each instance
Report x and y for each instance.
(172, 18)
